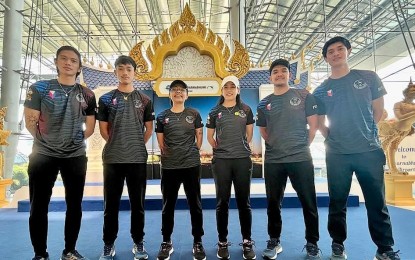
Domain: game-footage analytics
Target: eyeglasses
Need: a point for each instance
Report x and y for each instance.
(177, 90)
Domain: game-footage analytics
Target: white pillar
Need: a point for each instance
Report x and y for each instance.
(237, 21)
(10, 85)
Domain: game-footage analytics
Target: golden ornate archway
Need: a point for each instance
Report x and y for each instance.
(188, 32)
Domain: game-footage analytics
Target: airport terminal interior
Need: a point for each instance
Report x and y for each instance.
(200, 42)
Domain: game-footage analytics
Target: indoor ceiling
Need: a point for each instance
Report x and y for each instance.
(104, 29)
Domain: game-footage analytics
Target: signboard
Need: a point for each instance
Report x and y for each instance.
(196, 87)
(405, 155)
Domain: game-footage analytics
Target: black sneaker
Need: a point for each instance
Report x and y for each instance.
(72, 255)
(139, 251)
(313, 252)
(108, 253)
(389, 255)
(248, 252)
(223, 252)
(273, 249)
(166, 249)
(41, 257)
(338, 252)
(198, 251)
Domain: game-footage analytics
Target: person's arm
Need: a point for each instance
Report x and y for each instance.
(249, 132)
(324, 130)
(160, 140)
(103, 129)
(210, 137)
(263, 132)
(148, 131)
(89, 126)
(312, 127)
(31, 117)
(377, 107)
(199, 137)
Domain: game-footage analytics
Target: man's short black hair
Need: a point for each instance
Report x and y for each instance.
(281, 62)
(69, 48)
(125, 60)
(343, 40)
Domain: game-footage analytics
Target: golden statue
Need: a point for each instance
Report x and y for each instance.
(392, 132)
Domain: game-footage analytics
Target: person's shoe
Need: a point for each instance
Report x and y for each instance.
(313, 252)
(273, 249)
(73, 255)
(389, 255)
(166, 249)
(139, 251)
(198, 251)
(248, 251)
(41, 257)
(337, 252)
(223, 252)
(108, 253)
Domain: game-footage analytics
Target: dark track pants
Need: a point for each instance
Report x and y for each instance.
(368, 168)
(171, 179)
(239, 172)
(135, 176)
(43, 171)
(301, 175)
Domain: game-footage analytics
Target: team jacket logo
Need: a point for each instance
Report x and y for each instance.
(137, 103)
(190, 119)
(80, 98)
(359, 84)
(240, 113)
(295, 101)
(52, 94)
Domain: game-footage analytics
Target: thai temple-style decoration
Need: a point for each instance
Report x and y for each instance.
(187, 31)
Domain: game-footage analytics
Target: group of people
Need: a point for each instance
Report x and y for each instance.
(61, 114)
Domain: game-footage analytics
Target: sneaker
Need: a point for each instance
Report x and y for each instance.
(248, 252)
(223, 252)
(390, 255)
(313, 252)
(139, 251)
(73, 255)
(108, 253)
(273, 249)
(198, 251)
(39, 257)
(166, 249)
(337, 252)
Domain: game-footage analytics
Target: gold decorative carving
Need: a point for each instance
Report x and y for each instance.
(210, 37)
(219, 43)
(150, 54)
(187, 31)
(137, 55)
(201, 29)
(3, 133)
(187, 20)
(226, 53)
(239, 63)
(392, 132)
(3, 136)
(156, 43)
(165, 37)
(175, 30)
